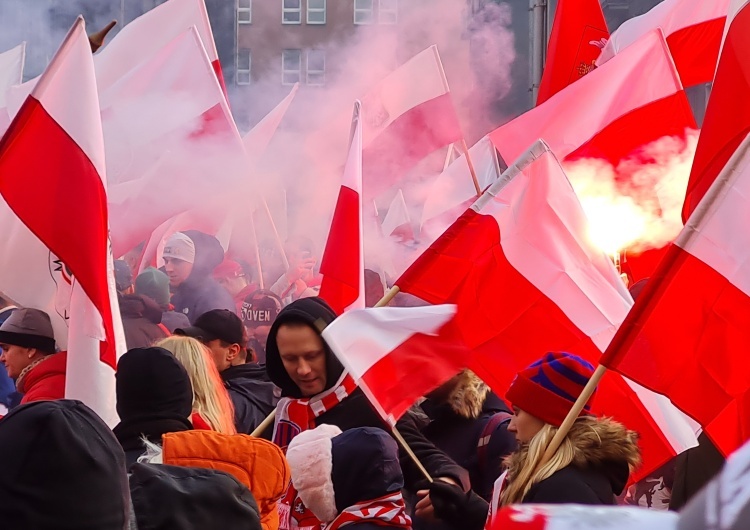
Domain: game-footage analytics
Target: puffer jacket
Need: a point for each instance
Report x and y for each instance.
(200, 292)
(258, 464)
(44, 380)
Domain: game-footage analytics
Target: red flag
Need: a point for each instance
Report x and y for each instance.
(687, 335)
(693, 31)
(383, 347)
(727, 120)
(527, 280)
(579, 33)
(342, 265)
(52, 175)
(604, 114)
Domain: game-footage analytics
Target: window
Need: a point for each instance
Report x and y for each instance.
(363, 11)
(242, 70)
(291, 11)
(316, 11)
(244, 11)
(388, 11)
(291, 67)
(316, 67)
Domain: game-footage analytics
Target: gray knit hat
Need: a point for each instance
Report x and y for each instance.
(29, 328)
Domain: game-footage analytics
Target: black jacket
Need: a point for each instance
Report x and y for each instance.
(141, 317)
(253, 396)
(355, 410)
(591, 485)
(200, 292)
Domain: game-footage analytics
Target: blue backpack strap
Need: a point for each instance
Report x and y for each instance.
(495, 421)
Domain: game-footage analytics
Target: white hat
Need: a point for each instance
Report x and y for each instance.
(179, 246)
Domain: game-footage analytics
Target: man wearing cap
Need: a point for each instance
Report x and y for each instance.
(154, 284)
(189, 259)
(258, 312)
(28, 344)
(232, 277)
(223, 333)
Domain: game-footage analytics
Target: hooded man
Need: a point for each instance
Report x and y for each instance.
(62, 468)
(154, 284)
(189, 259)
(28, 344)
(223, 333)
(316, 390)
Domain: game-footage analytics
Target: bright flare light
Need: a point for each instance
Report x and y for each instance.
(614, 225)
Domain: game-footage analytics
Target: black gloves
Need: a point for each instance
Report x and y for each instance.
(461, 510)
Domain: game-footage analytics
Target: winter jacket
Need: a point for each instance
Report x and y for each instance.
(186, 498)
(253, 396)
(141, 317)
(258, 464)
(456, 426)
(694, 469)
(200, 292)
(43, 380)
(355, 410)
(62, 469)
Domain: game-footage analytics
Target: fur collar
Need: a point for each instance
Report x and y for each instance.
(467, 397)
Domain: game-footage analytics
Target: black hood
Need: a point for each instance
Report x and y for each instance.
(208, 254)
(169, 497)
(306, 311)
(365, 466)
(61, 468)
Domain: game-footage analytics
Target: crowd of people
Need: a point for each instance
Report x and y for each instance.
(210, 356)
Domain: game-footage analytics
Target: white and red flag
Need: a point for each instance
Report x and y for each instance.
(11, 73)
(627, 103)
(579, 32)
(342, 265)
(384, 347)
(527, 280)
(693, 29)
(727, 120)
(397, 221)
(52, 176)
(257, 139)
(575, 517)
(406, 117)
(687, 335)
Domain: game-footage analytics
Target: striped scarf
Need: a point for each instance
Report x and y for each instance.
(388, 511)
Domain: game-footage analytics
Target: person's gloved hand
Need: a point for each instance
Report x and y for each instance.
(458, 508)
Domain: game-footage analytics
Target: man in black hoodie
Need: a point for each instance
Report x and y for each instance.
(189, 260)
(253, 395)
(318, 391)
(62, 468)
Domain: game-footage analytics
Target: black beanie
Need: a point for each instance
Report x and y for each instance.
(152, 384)
(60, 468)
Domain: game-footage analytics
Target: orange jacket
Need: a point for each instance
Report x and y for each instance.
(257, 463)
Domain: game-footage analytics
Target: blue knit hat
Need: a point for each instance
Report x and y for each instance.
(549, 387)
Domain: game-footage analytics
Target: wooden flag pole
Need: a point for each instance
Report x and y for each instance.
(402, 442)
(276, 236)
(392, 292)
(264, 424)
(258, 265)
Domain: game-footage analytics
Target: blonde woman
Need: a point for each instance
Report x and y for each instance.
(212, 407)
(591, 466)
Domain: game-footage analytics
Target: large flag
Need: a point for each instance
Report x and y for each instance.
(575, 517)
(687, 335)
(406, 117)
(727, 120)
(633, 100)
(342, 265)
(527, 280)
(397, 221)
(257, 139)
(52, 175)
(579, 33)
(11, 73)
(383, 347)
(693, 29)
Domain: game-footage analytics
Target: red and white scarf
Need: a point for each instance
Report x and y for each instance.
(388, 511)
(294, 416)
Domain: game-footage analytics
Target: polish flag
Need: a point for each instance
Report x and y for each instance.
(527, 280)
(257, 139)
(150, 32)
(627, 103)
(11, 73)
(727, 120)
(578, 34)
(342, 265)
(397, 221)
(693, 29)
(687, 335)
(575, 517)
(52, 176)
(406, 117)
(385, 346)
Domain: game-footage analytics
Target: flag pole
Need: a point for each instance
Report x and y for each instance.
(276, 236)
(264, 424)
(258, 265)
(464, 146)
(405, 446)
(390, 295)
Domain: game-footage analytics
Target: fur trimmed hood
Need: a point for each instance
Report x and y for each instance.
(467, 397)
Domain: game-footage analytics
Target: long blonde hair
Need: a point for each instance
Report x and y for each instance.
(589, 441)
(210, 397)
